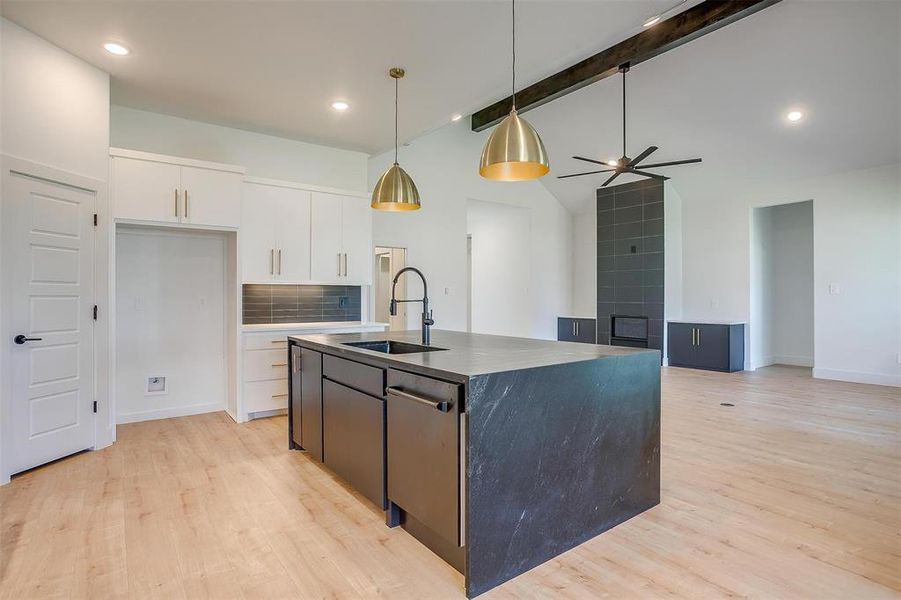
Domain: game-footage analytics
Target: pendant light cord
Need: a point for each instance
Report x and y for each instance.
(513, 25)
(624, 111)
(396, 83)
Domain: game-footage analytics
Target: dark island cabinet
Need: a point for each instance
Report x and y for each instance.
(711, 346)
(573, 329)
(354, 438)
(310, 402)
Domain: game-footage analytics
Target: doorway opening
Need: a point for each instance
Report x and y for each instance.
(782, 325)
(388, 261)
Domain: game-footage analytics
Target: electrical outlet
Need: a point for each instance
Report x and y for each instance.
(343, 301)
(834, 289)
(156, 385)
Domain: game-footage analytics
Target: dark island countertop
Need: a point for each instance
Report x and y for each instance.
(467, 354)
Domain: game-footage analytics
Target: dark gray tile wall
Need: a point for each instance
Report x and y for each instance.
(630, 256)
(278, 303)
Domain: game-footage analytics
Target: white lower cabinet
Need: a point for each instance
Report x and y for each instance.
(265, 360)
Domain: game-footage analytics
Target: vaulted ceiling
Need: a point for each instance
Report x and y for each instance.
(275, 67)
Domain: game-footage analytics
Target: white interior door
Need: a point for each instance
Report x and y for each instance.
(48, 248)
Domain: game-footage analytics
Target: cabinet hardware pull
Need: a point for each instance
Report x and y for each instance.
(272, 261)
(278, 341)
(345, 264)
(692, 336)
(440, 405)
(577, 329)
(176, 203)
(699, 336)
(279, 396)
(279, 261)
(574, 328)
(187, 212)
(284, 364)
(339, 264)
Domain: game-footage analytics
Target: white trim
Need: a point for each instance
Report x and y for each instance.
(858, 377)
(168, 413)
(261, 414)
(176, 160)
(173, 225)
(104, 426)
(304, 186)
(792, 361)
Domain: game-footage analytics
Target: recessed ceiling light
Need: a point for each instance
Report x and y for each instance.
(341, 106)
(652, 21)
(114, 48)
(794, 116)
(613, 162)
(456, 117)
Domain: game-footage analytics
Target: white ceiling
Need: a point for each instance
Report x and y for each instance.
(275, 67)
(723, 98)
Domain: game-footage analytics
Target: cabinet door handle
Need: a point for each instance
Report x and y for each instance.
(284, 364)
(187, 212)
(692, 336)
(699, 336)
(440, 405)
(279, 261)
(274, 396)
(176, 203)
(278, 342)
(339, 264)
(577, 329)
(272, 261)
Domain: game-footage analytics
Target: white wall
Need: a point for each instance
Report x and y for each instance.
(857, 226)
(263, 155)
(501, 282)
(55, 107)
(170, 321)
(444, 165)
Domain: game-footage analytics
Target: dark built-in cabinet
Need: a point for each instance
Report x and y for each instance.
(572, 329)
(711, 346)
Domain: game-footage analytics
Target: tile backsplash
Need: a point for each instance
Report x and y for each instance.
(279, 303)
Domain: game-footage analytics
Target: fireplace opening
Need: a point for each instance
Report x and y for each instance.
(627, 330)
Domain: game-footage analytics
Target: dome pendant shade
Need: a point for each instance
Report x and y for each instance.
(514, 152)
(395, 191)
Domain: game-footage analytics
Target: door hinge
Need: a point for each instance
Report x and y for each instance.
(95, 312)
(95, 406)
(95, 219)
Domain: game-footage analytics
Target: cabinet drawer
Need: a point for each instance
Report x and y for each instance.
(265, 395)
(424, 451)
(353, 374)
(354, 438)
(263, 365)
(266, 341)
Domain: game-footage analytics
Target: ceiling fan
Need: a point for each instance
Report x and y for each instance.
(625, 164)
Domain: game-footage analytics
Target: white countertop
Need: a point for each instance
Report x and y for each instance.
(316, 327)
(576, 317)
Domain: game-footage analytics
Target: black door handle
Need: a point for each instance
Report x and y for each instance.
(21, 339)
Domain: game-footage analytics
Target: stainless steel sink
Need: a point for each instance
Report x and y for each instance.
(392, 347)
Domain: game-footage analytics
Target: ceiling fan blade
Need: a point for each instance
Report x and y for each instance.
(591, 160)
(672, 162)
(586, 173)
(646, 174)
(612, 177)
(642, 156)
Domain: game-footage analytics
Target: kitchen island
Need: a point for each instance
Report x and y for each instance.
(497, 453)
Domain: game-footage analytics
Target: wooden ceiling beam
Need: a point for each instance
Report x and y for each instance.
(679, 29)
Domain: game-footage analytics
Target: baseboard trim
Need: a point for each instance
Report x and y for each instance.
(792, 361)
(858, 377)
(169, 413)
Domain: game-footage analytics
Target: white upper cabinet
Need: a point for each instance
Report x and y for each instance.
(154, 188)
(275, 234)
(146, 191)
(341, 239)
(211, 197)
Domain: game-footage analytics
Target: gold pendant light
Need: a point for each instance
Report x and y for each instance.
(514, 151)
(395, 190)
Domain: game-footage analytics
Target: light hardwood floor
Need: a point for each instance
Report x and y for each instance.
(795, 492)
